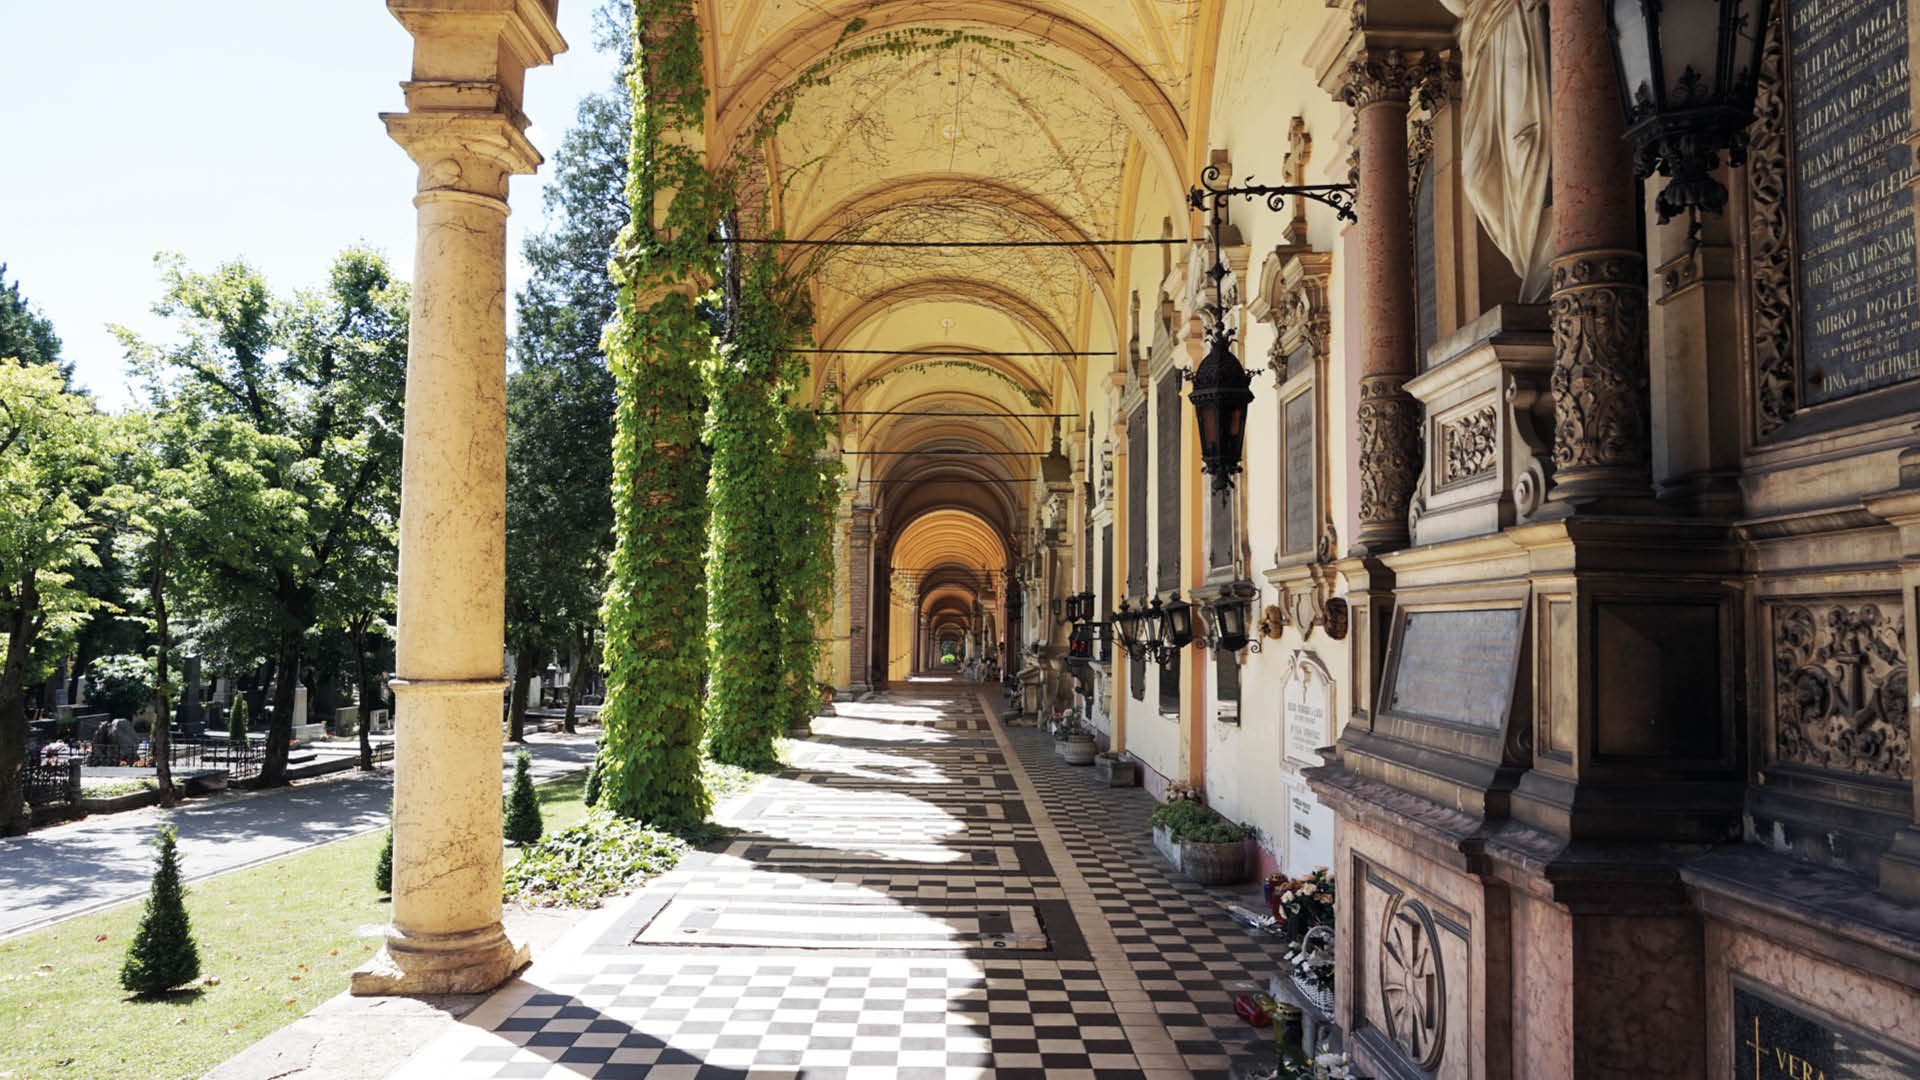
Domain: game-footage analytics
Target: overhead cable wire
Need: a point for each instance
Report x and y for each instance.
(781, 241)
(987, 354)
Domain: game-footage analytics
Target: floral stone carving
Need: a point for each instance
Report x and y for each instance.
(1389, 451)
(1840, 687)
(1469, 445)
(1600, 407)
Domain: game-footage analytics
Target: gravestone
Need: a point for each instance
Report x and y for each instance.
(191, 716)
(79, 691)
(1787, 1040)
(1297, 522)
(223, 690)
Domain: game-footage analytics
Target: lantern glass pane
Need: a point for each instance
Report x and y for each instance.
(1690, 39)
(1634, 41)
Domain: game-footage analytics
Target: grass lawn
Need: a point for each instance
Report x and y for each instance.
(280, 938)
(275, 940)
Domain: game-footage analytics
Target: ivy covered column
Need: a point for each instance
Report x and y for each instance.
(464, 129)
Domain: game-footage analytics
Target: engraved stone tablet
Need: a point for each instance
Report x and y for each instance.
(1455, 666)
(1305, 703)
(1297, 537)
(1773, 1041)
(1859, 312)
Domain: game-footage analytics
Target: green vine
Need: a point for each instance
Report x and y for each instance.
(751, 582)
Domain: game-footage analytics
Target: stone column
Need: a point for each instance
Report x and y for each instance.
(1377, 85)
(464, 129)
(860, 588)
(1598, 303)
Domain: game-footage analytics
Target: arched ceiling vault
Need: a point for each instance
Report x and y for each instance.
(1027, 124)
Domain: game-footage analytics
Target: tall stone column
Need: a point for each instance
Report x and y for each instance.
(1377, 85)
(464, 129)
(860, 586)
(1598, 304)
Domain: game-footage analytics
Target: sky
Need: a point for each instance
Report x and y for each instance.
(218, 129)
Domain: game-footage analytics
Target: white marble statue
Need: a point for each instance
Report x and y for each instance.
(1505, 127)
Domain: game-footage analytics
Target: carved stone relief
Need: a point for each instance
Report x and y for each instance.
(1600, 407)
(1390, 450)
(1840, 687)
(1770, 242)
(1469, 445)
(1413, 986)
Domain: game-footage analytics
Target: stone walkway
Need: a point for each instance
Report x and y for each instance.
(60, 872)
(923, 894)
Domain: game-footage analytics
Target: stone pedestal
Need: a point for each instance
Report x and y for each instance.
(464, 129)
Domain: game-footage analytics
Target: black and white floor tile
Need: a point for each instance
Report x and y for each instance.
(906, 901)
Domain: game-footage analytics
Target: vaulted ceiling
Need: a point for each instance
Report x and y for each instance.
(947, 123)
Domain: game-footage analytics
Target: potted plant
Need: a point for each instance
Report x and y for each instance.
(1073, 741)
(1202, 845)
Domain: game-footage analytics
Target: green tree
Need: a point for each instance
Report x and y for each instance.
(522, 824)
(383, 868)
(53, 453)
(157, 511)
(25, 334)
(560, 404)
(163, 954)
(313, 387)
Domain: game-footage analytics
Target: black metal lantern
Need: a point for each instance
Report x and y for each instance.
(1152, 629)
(1230, 623)
(1687, 73)
(1079, 643)
(1220, 395)
(1177, 629)
(1125, 623)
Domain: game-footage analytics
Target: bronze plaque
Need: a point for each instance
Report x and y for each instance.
(1854, 225)
(1775, 1041)
(1297, 537)
(1456, 666)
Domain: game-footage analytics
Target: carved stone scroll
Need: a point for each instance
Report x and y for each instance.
(1840, 686)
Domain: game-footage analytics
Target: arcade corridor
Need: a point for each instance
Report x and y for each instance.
(926, 892)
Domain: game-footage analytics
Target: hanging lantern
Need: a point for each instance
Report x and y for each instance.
(1125, 624)
(1152, 624)
(1230, 623)
(1220, 396)
(1178, 624)
(1101, 635)
(1079, 643)
(1687, 77)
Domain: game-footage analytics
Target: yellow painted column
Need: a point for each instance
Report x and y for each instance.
(464, 129)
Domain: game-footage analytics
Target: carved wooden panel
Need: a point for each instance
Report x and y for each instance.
(1840, 686)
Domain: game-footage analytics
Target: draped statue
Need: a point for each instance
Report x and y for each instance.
(1505, 127)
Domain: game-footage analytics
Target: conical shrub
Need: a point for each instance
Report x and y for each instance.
(163, 954)
(523, 806)
(593, 782)
(383, 870)
(237, 720)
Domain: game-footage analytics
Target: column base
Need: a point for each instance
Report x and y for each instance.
(417, 965)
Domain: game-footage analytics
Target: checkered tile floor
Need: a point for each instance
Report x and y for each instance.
(906, 901)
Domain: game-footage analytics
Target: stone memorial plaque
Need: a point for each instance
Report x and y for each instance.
(1455, 666)
(1297, 533)
(1859, 304)
(1306, 701)
(1426, 265)
(1773, 1041)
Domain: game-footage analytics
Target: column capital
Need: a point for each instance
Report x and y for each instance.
(461, 150)
(1377, 76)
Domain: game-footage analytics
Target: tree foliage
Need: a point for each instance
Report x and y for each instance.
(25, 334)
(522, 823)
(54, 450)
(299, 401)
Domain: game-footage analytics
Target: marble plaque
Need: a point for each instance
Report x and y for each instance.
(1773, 1041)
(1456, 666)
(1426, 265)
(1306, 701)
(1297, 537)
(1859, 304)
